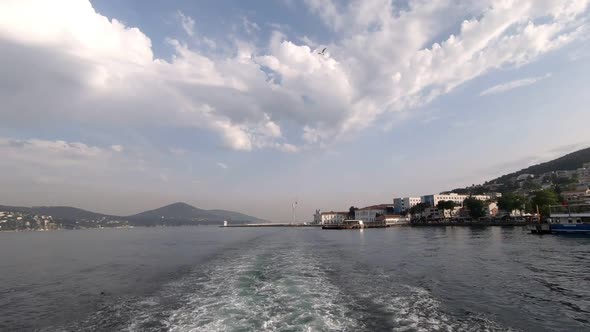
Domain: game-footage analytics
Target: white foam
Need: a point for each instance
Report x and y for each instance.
(415, 309)
(288, 288)
(255, 290)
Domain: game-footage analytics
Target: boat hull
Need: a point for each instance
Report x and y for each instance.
(570, 228)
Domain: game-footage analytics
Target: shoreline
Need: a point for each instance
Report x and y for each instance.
(433, 224)
(437, 224)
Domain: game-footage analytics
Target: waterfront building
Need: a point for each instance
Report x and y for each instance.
(317, 217)
(433, 200)
(432, 213)
(333, 217)
(369, 214)
(403, 204)
(393, 219)
(490, 210)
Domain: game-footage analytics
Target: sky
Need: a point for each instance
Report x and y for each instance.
(121, 106)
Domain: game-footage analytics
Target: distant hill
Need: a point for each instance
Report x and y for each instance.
(231, 215)
(175, 210)
(16, 208)
(57, 212)
(173, 214)
(68, 212)
(182, 213)
(569, 162)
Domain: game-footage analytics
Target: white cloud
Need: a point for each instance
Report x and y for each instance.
(53, 151)
(76, 64)
(187, 23)
(222, 165)
(45, 159)
(249, 26)
(75, 164)
(513, 85)
(177, 151)
(117, 148)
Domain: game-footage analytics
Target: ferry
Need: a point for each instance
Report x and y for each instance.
(570, 219)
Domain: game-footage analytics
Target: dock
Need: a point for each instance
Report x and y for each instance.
(539, 228)
(269, 225)
(340, 226)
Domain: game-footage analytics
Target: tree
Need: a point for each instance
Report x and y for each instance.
(510, 202)
(419, 208)
(351, 213)
(507, 187)
(543, 199)
(475, 207)
(546, 179)
(530, 185)
(445, 205)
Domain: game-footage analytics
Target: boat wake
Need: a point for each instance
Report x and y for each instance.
(282, 288)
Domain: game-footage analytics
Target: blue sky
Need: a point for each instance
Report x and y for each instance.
(120, 106)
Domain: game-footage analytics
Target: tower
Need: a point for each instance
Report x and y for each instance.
(294, 206)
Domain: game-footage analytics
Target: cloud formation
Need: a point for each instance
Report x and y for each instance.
(45, 161)
(68, 61)
(187, 23)
(503, 87)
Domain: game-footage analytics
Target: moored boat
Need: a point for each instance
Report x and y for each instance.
(346, 224)
(570, 219)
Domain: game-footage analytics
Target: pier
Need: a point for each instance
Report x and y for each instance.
(270, 225)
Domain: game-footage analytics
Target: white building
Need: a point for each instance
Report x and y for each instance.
(524, 177)
(433, 213)
(393, 219)
(433, 200)
(333, 217)
(369, 214)
(403, 204)
(317, 217)
(577, 197)
(493, 195)
(490, 210)
(566, 174)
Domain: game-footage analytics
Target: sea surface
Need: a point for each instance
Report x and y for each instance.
(294, 279)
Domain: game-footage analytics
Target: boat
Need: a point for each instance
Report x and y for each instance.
(355, 224)
(570, 219)
(346, 224)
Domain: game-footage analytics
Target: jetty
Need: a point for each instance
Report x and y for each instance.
(269, 225)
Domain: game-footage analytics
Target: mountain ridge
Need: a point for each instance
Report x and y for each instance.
(568, 162)
(178, 213)
(505, 183)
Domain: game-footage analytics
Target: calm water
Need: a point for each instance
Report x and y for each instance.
(288, 279)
